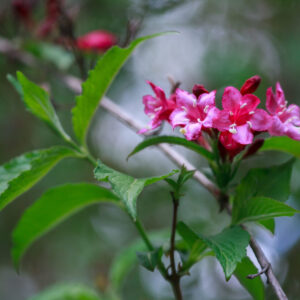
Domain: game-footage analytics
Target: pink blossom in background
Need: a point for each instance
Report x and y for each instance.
(285, 119)
(97, 40)
(193, 114)
(240, 118)
(158, 108)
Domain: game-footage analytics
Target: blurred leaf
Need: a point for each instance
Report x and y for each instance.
(254, 286)
(175, 141)
(282, 143)
(97, 83)
(229, 246)
(48, 52)
(271, 182)
(259, 208)
(126, 259)
(269, 224)
(195, 245)
(69, 291)
(22, 172)
(127, 188)
(52, 208)
(150, 259)
(38, 103)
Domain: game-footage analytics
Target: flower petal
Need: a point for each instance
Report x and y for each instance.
(183, 98)
(243, 135)
(206, 100)
(277, 128)
(227, 141)
(178, 118)
(221, 120)
(212, 114)
(193, 131)
(293, 132)
(271, 102)
(280, 95)
(249, 103)
(231, 99)
(159, 93)
(260, 120)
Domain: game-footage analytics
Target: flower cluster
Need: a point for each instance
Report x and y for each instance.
(235, 125)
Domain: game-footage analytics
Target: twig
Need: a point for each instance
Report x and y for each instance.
(75, 85)
(263, 261)
(264, 270)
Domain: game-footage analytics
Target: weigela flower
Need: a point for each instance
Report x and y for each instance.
(97, 40)
(285, 119)
(240, 118)
(158, 108)
(194, 114)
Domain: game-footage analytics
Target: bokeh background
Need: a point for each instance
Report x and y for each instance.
(218, 43)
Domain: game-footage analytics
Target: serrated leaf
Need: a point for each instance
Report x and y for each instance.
(127, 258)
(126, 187)
(38, 103)
(255, 286)
(229, 246)
(22, 172)
(52, 208)
(95, 87)
(69, 291)
(271, 182)
(150, 259)
(260, 208)
(175, 141)
(268, 224)
(282, 143)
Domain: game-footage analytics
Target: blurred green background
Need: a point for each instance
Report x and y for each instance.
(219, 43)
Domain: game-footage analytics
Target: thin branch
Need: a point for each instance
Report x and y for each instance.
(174, 278)
(263, 271)
(263, 261)
(75, 85)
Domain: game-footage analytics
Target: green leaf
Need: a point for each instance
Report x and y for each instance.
(150, 259)
(260, 208)
(52, 208)
(268, 224)
(22, 172)
(254, 286)
(229, 246)
(175, 141)
(282, 143)
(271, 182)
(38, 103)
(69, 291)
(95, 87)
(127, 258)
(127, 188)
(196, 246)
(54, 54)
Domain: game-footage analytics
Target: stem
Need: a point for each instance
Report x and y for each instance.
(143, 234)
(174, 278)
(263, 261)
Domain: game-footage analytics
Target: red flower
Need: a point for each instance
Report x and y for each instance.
(240, 118)
(285, 119)
(98, 40)
(158, 108)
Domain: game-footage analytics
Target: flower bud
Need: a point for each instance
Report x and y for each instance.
(250, 85)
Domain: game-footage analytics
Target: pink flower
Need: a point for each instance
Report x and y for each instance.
(285, 119)
(97, 40)
(240, 118)
(193, 114)
(158, 108)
